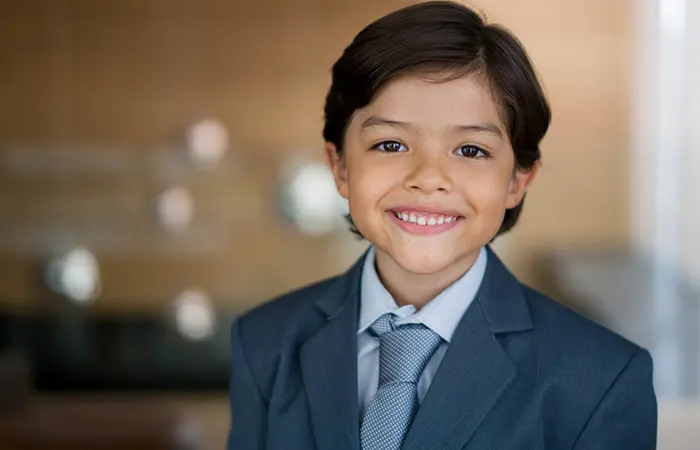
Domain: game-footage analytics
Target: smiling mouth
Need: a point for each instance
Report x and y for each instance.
(424, 219)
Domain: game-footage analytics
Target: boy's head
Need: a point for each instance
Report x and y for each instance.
(433, 123)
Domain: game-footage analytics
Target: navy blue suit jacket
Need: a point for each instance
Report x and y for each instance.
(521, 372)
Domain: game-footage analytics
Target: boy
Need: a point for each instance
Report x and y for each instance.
(433, 123)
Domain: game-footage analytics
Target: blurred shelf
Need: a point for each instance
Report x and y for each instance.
(80, 354)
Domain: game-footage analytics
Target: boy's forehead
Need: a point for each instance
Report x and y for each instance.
(433, 103)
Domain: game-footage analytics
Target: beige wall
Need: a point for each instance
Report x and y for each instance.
(128, 74)
(582, 51)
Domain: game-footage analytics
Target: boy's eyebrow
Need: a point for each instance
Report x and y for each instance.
(375, 121)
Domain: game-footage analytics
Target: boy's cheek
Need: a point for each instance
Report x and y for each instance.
(483, 190)
(369, 185)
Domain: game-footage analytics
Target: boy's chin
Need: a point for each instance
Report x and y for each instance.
(424, 263)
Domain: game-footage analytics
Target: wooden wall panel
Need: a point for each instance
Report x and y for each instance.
(124, 76)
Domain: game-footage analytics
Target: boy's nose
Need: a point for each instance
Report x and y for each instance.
(428, 175)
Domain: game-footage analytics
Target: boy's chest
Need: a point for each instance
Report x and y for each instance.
(526, 416)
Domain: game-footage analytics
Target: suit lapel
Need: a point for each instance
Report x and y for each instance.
(475, 370)
(329, 366)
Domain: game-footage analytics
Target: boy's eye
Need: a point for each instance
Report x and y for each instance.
(471, 151)
(390, 147)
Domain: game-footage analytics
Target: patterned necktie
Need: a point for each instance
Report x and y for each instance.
(404, 352)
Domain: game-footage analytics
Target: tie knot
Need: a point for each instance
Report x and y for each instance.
(404, 350)
(383, 325)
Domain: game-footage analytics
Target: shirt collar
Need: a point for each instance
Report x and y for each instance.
(442, 314)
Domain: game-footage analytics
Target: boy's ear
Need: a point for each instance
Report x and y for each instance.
(519, 184)
(337, 165)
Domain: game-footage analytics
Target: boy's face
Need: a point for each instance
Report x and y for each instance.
(428, 171)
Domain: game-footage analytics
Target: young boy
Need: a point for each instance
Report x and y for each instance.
(433, 124)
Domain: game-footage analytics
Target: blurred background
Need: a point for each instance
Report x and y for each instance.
(161, 171)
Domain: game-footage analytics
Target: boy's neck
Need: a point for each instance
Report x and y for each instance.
(416, 289)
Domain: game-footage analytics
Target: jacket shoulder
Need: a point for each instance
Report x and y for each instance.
(580, 363)
(265, 331)
(576, 354)
(274, 313)
(574, 333)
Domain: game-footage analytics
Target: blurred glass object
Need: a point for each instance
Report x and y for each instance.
(175, 209)
(207, 142)
(194, 315)
(310, 198)
(664, 215)
(75, 275)
(189, 435)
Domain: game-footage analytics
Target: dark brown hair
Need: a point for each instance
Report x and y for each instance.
(448, 40)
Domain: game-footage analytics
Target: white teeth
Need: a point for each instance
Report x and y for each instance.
(425, 220)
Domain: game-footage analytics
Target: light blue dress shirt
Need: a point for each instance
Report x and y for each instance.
(442, 314)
